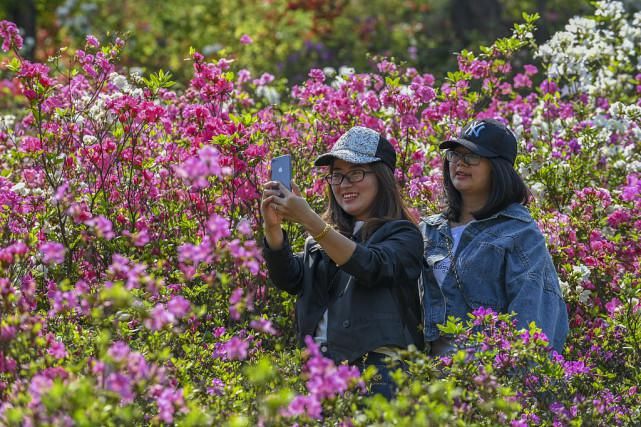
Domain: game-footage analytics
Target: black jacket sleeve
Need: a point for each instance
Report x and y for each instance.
(285, 268)
(392, 256)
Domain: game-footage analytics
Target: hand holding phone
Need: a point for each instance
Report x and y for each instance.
(282, 170)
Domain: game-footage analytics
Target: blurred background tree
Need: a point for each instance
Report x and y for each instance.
(289, 36)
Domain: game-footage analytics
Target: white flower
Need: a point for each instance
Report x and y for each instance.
(620, 164)
(565, 288)
(346, 71)
(119, 81)
(538, 190)
(582, 271)
(7, 121)
(89, 139)
(20, 188)
(584, 296)
(329, 71)
(269, 93)
(634, 166)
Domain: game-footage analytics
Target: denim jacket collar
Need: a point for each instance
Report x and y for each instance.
(515, 210)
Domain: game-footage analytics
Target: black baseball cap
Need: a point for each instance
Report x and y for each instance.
(360, 145)
(487, 138)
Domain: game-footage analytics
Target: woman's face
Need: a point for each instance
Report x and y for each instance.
(356, 198)
(471, 180)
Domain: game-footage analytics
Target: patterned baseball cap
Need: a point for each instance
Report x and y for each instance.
(487, 138)
(360, 145)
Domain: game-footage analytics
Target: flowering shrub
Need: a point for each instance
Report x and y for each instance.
(133, 290)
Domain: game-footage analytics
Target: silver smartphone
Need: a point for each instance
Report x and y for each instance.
(282, 170)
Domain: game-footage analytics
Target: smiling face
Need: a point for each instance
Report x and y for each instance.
(358, 198)
(471, 180)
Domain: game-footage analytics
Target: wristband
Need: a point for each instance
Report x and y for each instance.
(323, 233)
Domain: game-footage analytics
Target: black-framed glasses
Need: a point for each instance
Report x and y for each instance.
(471, 159)
(354, 176)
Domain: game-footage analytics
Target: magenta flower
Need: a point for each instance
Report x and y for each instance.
(245, 39)
(52, 252)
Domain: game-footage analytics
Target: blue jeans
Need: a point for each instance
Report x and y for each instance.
(382, 383)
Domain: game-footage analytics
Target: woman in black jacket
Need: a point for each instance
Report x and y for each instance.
(356, 281)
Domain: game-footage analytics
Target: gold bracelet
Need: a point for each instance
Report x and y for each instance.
(323, 233)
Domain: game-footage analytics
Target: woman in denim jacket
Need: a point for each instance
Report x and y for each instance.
(355, 281)
(485, 250)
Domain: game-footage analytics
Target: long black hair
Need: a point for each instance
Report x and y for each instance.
(389, 205)
(507, 187)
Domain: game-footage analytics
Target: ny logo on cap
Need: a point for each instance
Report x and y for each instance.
(475, 128)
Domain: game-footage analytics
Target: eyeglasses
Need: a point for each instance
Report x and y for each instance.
(352, 176)
(468, 158)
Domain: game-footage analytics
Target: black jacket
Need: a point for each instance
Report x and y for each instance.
(373, 298)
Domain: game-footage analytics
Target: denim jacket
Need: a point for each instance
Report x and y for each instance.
(502, 263)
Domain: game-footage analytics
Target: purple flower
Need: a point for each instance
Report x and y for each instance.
(119, 351)
(92, 41)
(234, 349)
(218, 227)
(244, 228)
(236, 296)
(103, 227)
(217, 387)
(178, 306)
(264, 79)
(305, 405)
(120, 384)
(245, 39)
(10, 35)
(167, 402)
(37, 387)
(158, 318)
(264, 325)
(52, 252)
(632, 190)
(57, 349)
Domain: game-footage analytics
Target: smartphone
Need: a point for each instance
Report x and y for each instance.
(282, 170)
